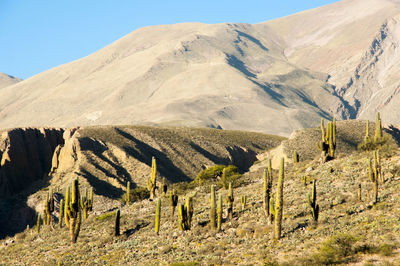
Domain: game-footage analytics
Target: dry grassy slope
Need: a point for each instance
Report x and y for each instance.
(107, 157)
(247, 239)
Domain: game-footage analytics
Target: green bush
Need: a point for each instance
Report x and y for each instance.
(335, 250)
(213, 175)
(137, 194)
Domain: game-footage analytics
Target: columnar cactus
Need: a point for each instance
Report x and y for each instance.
(173, 200)
(66, 206)
(213, 210)
(38, 223)
(158, 216)
(183, 219)
(312, 202)
(229, 200)
(48, 208)
(295, 157)
(117, 223)
(279, 202)
(271, 210)
(267, 189)
(84, 204)
(328, 143)
(219, 212)
(152, 181)
(378, 128)
(73, 212)
(60, 218)
(189, 210)
(367, 138)
(359, 192)
(164, 186)
(374, 172)
(128, 193)
(223, 178)
(243, 200)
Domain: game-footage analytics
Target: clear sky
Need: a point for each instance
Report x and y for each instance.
(36, 35)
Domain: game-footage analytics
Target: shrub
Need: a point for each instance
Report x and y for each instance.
(137, 194)
(335, 249)
(214, 175)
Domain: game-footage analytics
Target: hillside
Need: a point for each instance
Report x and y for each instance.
(7, 80)
(348, 231)
(333, 61)
(106, 158)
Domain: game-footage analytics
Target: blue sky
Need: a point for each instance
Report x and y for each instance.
(36, 35)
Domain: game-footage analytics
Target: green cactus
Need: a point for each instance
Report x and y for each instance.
(374, 172)
(173, 200)
(295, 157)
(48, 208)
(73, 212)
(279, 202)
(38, 223)
(267, 189)
(219, 213)
(271, 210)
(60, 219)
(183, 220)
(117, 223)
(229, 201)
(224, 180)
(152, 181)
(158, 216)
(378, 128)
(328, 143)
(84, 204)
(164, 186)
(243, 200)
(128, 193)
(213, 210)
(312, 202)
(189, 210)
(367, 138)
(90, 200)
(66, 206)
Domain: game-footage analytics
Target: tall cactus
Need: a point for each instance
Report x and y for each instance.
(267, 189)
(38, 223)
(378, 128)
(128, 193)
(158, 216)
(243, 200)
(223, 178)
(60, 218)
(74, 212)
(367, 138)
(189, 210)
(279, 202)
(84, 204)
(219, 213)
(173, 200)
(117, 223)
(328, 143)
(152, 181)
(295, 157)
(229, 200)
(183, 219)
(66, 207)
(164, 186)
(312, 202)
(213, 210)
(48, 208)
(374, 172)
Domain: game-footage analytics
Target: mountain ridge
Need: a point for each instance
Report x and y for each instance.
(229, 75)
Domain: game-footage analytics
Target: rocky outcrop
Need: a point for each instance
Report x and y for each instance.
(26, 155)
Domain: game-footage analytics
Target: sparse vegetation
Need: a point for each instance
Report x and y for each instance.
(369, 233)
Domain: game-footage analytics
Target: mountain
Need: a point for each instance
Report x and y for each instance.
(272, 77)
(7, 80)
